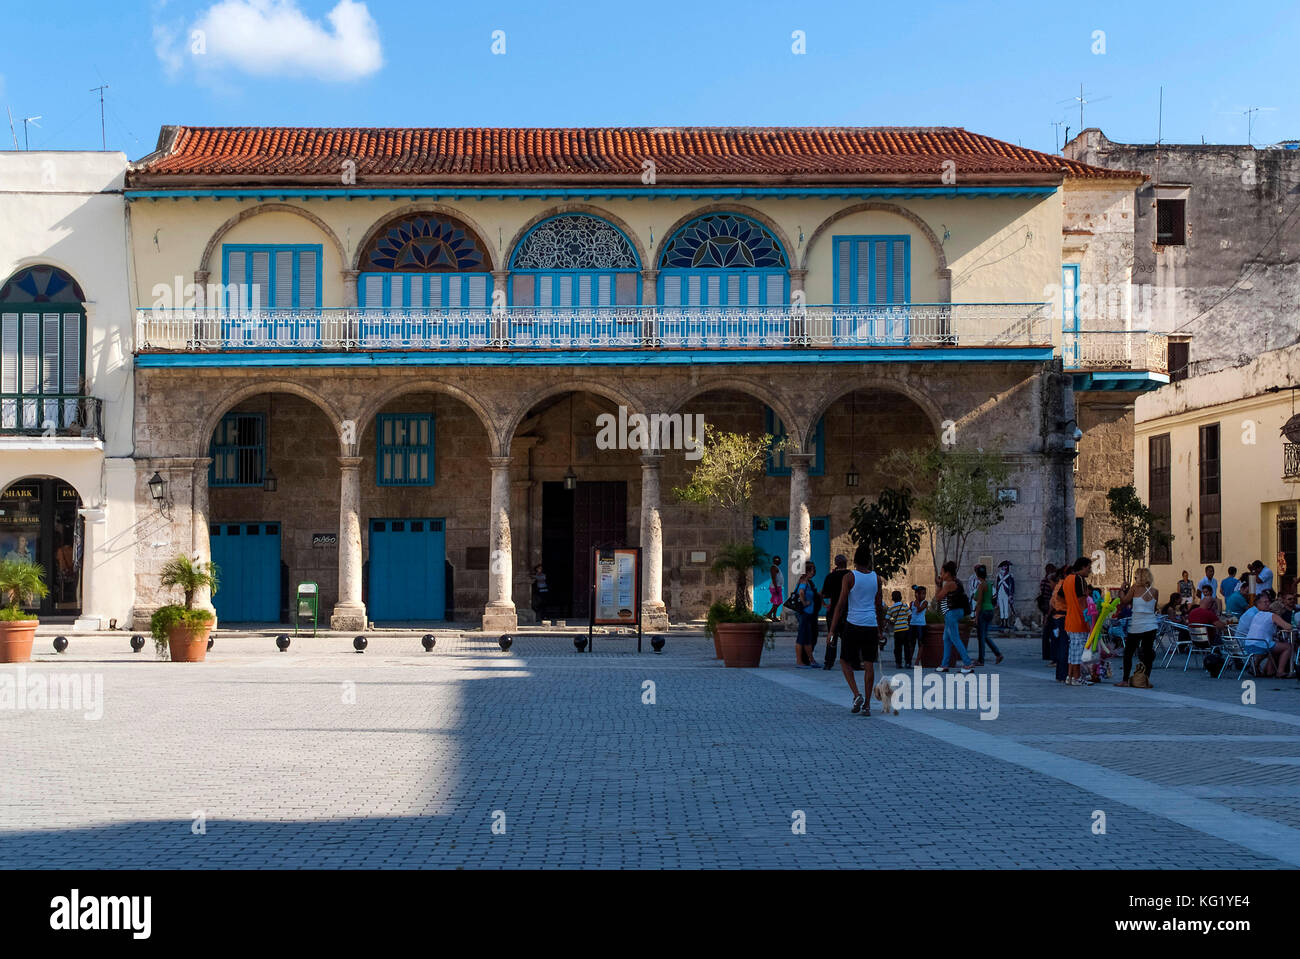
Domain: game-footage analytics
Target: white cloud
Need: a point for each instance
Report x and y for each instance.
(166, 48)
(274, 37)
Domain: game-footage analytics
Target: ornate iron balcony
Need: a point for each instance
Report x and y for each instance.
(987, 325)
(51, 415)
(1120, 350)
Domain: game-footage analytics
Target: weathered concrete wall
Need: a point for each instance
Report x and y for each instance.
(1240, 237)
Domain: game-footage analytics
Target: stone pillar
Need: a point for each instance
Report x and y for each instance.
(350, 613)
(799, 331)
(500, 321)
(800, 521)
(649, 298)
(654, 615)
(797, 278)
(945, 286)
(350, 288)
(200, 539)
(499, 615)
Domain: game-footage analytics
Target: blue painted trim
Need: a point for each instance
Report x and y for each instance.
(555, 287)
(777, 466)
(298, 192)
(1139, 381)
(856, 239)
(271, 249)
(1029, 354)
(380, 448)
(443, 278)
(213, 448)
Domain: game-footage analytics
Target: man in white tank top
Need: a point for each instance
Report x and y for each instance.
(857, 614)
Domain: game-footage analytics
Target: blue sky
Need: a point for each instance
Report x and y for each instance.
(1001, 68)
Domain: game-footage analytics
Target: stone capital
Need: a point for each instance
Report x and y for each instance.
(652, 461)
(351, 462)
(500, 462)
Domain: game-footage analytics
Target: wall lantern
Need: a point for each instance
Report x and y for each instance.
(269, 482)
(851, 478)
(570, 480)
(157, 488)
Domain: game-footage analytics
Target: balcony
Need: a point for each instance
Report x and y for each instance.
(1291, 462)
(52, 415)
(645, 329)
(1116, 359)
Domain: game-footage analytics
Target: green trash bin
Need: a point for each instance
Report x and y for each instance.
(306, 606)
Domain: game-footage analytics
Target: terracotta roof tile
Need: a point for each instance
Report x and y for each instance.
(736, 153)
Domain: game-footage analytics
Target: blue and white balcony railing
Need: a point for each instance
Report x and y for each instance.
(622, 327)
(1116, 351)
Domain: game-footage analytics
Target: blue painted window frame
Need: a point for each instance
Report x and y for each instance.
(444, 279)
(271, 249)
(574, 273)
(404, 449)
(725, 274)
(777, 465)
(856, 240)
(1070, 314)
(219, 451)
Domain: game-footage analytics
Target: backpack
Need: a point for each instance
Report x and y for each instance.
(1213, 663)
(960, 600)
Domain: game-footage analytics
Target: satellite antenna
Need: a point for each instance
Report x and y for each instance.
(103, 138)
(1081, 100)
(32, 121)
(13, 133)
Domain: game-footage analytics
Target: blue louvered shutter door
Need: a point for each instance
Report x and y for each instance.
(898, 272)
(544, 287)
(282, 298)
(237, 277)
(455, 292)
(524, 288)
(775, 289)
(625, 289)
(373, 290)
(307, 291)
(672, 291)
(863, 273)
(880, 254)
(843, 266)
(584, 290)
(477, 292)
(261, 280)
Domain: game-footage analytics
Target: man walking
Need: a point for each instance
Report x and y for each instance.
(831, 592)
(860, 610)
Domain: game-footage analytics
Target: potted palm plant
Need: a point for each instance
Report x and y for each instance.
(182, 631)
(21, 581)
(729, 466)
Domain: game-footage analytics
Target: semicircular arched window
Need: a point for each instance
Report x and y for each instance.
(575, 259)
(723, 259)
(425, 261)
(42, 349)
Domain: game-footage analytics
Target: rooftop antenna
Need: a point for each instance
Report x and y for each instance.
(32, 121)
(1057, 133)
(103, 138)
(13, 133)
(1081, 100)
(1160, 130)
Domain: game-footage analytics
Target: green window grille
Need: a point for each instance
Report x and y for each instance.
(239, 451)
(405, 453)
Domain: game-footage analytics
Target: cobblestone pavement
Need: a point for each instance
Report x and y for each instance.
(322, 758)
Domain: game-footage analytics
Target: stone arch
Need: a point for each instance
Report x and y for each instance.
(424, 385)
(19, 473)
(794, 425)
(880, 207)
(757, 215)
(227, 402)
(415, 209)
(589, 210)
(884, 384)
(205, 262)
(594, 387)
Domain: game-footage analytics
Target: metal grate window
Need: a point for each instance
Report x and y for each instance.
(1158, 492)
(1171, 222)
(405, 449)
(1211, 519)
(239, 451)
(778, 465)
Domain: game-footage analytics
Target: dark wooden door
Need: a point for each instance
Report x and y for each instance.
(599, 520)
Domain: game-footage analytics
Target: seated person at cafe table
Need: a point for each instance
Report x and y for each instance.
(1239, 601)
(1262, 640)
(1206, 614)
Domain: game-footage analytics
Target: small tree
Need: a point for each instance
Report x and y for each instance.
(20, 580)
(729, 467)
(886, 528)
(190, 576)
(955, 494)
(1139, 529)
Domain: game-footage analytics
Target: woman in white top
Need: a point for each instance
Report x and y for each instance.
(1142, 624)
(1262, 640)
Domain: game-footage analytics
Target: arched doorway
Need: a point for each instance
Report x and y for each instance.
(39, 522)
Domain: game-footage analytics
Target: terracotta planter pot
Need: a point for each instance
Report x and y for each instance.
(189, 644)
(717, 646)
(931, 652)
(16, 638)
(741, 643)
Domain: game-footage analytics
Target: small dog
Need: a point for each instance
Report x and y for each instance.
(884, 691)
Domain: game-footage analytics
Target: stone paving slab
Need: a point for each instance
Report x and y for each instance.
(323, 758)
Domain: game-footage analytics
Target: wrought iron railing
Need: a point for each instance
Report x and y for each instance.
(1107, 350)
(623, 327)
(51, 415)
(1291, 462)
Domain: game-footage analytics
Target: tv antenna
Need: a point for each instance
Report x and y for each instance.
(1056, 133)
(32, 121)
(1081, 99)
(103, 138)
(12, 132)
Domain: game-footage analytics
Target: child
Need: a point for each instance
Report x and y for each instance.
(917, 622)
(897, 618)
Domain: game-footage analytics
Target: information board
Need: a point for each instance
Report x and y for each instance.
(617, 588)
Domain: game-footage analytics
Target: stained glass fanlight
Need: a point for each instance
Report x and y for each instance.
(425, 243)
(574, 242)
(722, 241)
(41, 284)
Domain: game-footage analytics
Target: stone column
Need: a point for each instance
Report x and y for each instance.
(350, 288)
(799, 331)
(349, 613)
(500, 332)
(800, 521)
(499, 615)
(654, 615)
(200, 538)
(649, 298)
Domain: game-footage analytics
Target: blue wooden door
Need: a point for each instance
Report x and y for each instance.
(407, 570)
(248, 563)
(772, 536)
